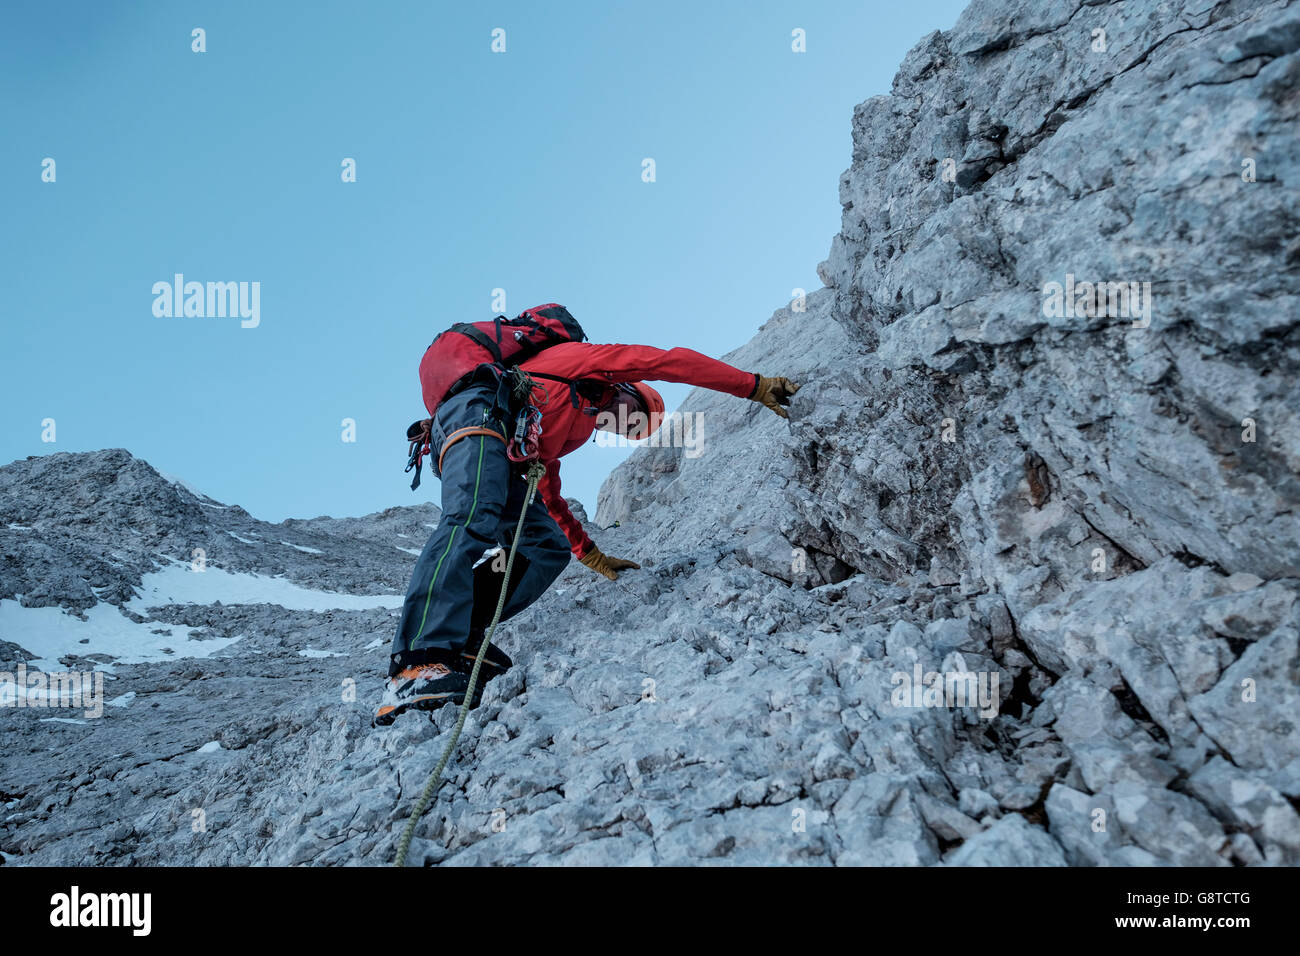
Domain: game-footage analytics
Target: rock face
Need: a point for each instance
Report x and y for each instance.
(1082, 519)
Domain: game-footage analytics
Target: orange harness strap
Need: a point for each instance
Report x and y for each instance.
(460, 433)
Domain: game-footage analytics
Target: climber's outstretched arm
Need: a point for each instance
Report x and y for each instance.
(636, 363)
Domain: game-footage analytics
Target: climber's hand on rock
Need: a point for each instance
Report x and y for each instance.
(774, 393)
(602, 563)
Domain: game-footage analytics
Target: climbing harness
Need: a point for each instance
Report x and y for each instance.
(460, 433)
(536, 470)
(419, 435)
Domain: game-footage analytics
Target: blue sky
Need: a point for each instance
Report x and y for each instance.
(474, 171)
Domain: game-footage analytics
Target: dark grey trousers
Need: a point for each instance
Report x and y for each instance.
(482, 493)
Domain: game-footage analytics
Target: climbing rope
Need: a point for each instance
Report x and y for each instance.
(535, 472)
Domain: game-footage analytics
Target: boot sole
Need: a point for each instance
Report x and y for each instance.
(388, 713)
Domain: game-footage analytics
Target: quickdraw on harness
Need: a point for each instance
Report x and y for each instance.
(420, 435)
(528, 434)
(526, 443)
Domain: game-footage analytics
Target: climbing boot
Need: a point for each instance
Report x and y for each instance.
(422, 687)
(495, 663)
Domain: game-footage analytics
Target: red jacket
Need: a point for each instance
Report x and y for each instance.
(565, 428)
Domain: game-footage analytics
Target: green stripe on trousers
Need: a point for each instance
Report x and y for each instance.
(478, 475)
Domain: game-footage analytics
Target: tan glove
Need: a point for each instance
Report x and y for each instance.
(774, 392)
(602, 563)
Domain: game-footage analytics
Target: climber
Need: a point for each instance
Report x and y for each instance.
(578, 387)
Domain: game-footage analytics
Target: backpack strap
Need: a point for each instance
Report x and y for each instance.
(578, 389)
(493, 346)
(546, 330)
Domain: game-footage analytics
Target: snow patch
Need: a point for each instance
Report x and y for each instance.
(312, 652)
(303, 548)
(51, 633)
(177, 584)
